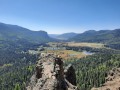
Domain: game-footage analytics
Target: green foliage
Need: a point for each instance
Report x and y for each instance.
(15, 33)
(92, 70)
(16, 66)
(110, 37)
(17, 87)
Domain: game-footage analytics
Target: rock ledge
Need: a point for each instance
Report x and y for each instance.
(51, 75)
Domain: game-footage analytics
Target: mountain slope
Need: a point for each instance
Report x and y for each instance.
(64, 36)
(14, 32)
(104, 36)
(112, 81)
(53, 35)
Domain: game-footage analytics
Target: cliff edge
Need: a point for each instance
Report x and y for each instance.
(51, 75)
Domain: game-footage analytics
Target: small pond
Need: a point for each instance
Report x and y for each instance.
(88, 53)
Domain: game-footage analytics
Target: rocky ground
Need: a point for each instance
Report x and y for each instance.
(51, 75)
(112, 81)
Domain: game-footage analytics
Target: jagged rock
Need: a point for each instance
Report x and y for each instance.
(107, 89)
(50, 75)
(70, 74)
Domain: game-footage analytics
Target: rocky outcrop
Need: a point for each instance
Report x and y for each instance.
(112, 81)
(51, 75)
(70, 74)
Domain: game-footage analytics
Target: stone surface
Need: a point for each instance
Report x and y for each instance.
(50, 75)
(70, 74)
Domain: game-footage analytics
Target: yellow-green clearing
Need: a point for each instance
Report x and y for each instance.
(93, 45)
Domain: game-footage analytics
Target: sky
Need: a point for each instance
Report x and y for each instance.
(61, 16)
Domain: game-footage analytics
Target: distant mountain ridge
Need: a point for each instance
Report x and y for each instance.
(104, 36)
(54, 35)
(14, 32)
(64, 36)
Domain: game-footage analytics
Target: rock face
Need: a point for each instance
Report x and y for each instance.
(51, 75)
(70, 74)
(112, 81)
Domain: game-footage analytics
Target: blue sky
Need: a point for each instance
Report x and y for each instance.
(61, 16)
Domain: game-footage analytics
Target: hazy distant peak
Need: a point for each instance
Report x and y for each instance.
(90, 31)
(63, 36)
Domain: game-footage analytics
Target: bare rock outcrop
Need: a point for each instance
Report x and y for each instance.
(112, 81)
(51, 75)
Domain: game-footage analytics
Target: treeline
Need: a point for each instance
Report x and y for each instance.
(114, 46)
(16, 65)
(19, 45)
(92, 70)
(17, 72)
(94, 50)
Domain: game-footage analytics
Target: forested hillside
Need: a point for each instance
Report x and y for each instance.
(109, 37)
(16, 64)
(91, 71)
(14, 33)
